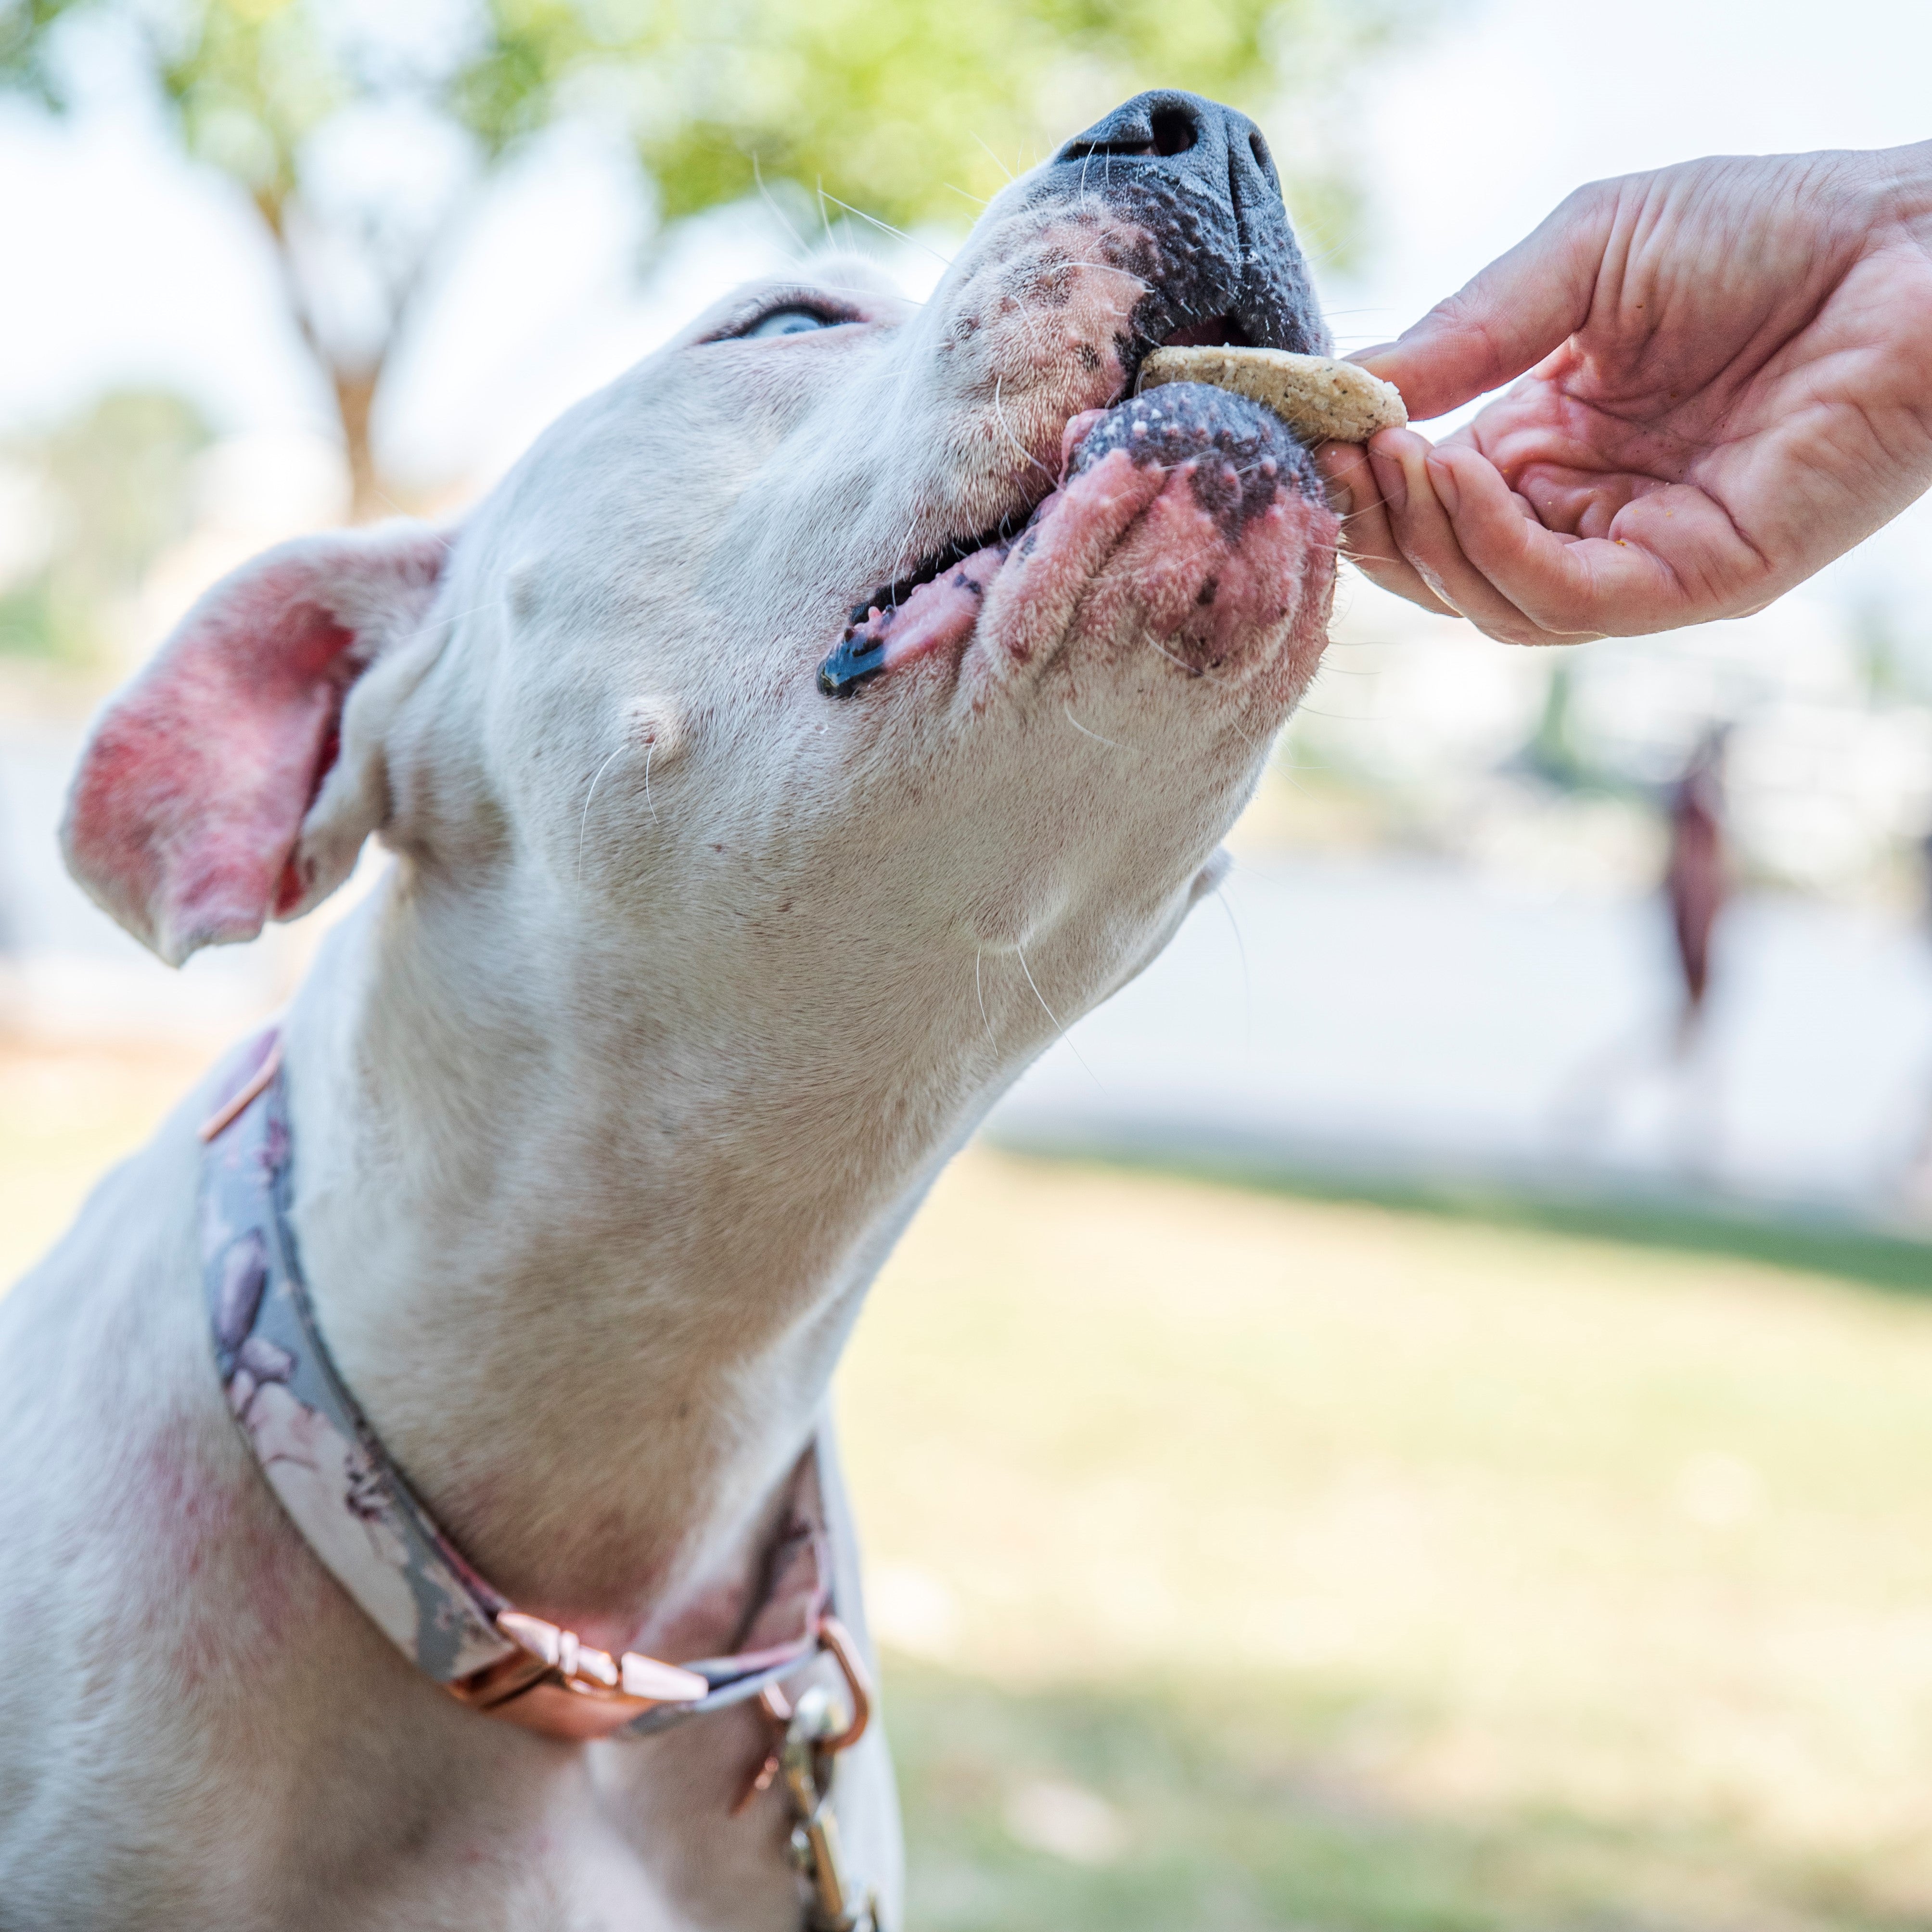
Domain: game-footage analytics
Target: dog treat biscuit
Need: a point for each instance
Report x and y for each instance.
(1317, 397)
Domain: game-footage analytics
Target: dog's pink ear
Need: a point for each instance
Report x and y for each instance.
(187, 817)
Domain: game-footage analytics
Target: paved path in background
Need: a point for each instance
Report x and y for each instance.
(1394, 1017)
(1374, 1017)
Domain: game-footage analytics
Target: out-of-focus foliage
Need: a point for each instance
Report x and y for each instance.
(109, 491)
(906, 111)
(898, 109)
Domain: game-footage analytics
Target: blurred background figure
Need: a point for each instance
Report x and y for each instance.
(1696, 885)
(1541, 1515)
(1915, 1185)
(1694, 888)
(1695, 881)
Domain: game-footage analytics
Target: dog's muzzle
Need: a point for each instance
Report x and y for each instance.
(1195, 183)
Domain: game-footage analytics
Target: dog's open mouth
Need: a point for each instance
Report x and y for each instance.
(873, 636)
(936, 606)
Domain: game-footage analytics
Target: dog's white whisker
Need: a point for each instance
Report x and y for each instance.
(377, 489)
(1020, 953)
(999, 409)
(1107, 269)
(1210, 677)
(1028, 319)
(861, 290)
(909, 556)
(436, 623)
(979, 993)
(1364, 509)
(886, 228)
(771, 201)
(1247, 983)
(1085, 734)
(995, 159)
(583, 821)
(1192, 670)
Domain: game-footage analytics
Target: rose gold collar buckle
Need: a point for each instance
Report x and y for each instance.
(555, 1683)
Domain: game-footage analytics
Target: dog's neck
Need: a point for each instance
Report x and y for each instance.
(589, 1282)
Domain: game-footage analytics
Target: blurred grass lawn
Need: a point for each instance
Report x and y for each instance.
(1246, 1560)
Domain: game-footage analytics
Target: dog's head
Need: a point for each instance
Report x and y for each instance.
(844, 660)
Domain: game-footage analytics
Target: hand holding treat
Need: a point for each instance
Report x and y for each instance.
(1728, 384)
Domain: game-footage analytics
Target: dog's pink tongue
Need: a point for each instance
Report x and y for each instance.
(936, 617)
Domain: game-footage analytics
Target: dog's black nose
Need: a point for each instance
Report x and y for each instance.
(1211, 147)
(1199, 178)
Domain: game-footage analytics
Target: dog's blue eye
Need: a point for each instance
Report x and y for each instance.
(790, 322)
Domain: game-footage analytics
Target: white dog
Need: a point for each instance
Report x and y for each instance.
(729, 892)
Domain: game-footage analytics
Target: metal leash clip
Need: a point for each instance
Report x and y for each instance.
(812, 1731)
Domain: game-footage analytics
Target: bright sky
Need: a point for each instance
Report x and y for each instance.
(1476, 138)
(125, 265)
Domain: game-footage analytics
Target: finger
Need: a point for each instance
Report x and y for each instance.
(1366, 538)
(1525, 304)
(1568, 588)
(1425, 531)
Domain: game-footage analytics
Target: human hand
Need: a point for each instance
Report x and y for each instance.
(1729, 384)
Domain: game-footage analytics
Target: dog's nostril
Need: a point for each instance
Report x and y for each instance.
(1259, 148)
(1173, 131)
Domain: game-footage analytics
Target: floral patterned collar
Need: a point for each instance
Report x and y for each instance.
(373, 1532)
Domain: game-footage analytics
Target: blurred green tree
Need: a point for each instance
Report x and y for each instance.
(109, 489)
(906, 111)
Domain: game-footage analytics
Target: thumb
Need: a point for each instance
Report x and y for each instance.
(1521, 307)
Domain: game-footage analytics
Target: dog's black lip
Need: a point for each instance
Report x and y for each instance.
(1225, 331)
(1213, 331)
(890, 596)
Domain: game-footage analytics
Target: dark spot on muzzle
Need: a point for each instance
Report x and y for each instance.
(1238, 455)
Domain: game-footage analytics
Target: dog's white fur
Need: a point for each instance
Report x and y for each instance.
(608, 1105)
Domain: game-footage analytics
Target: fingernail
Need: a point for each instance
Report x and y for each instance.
(1443, 480)
(1389, 480)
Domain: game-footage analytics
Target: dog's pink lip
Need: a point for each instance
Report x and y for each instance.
(1202, 513)
(938, 615)
(925, 610)
(941, 612)
(890, 632)
(1075, 434)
